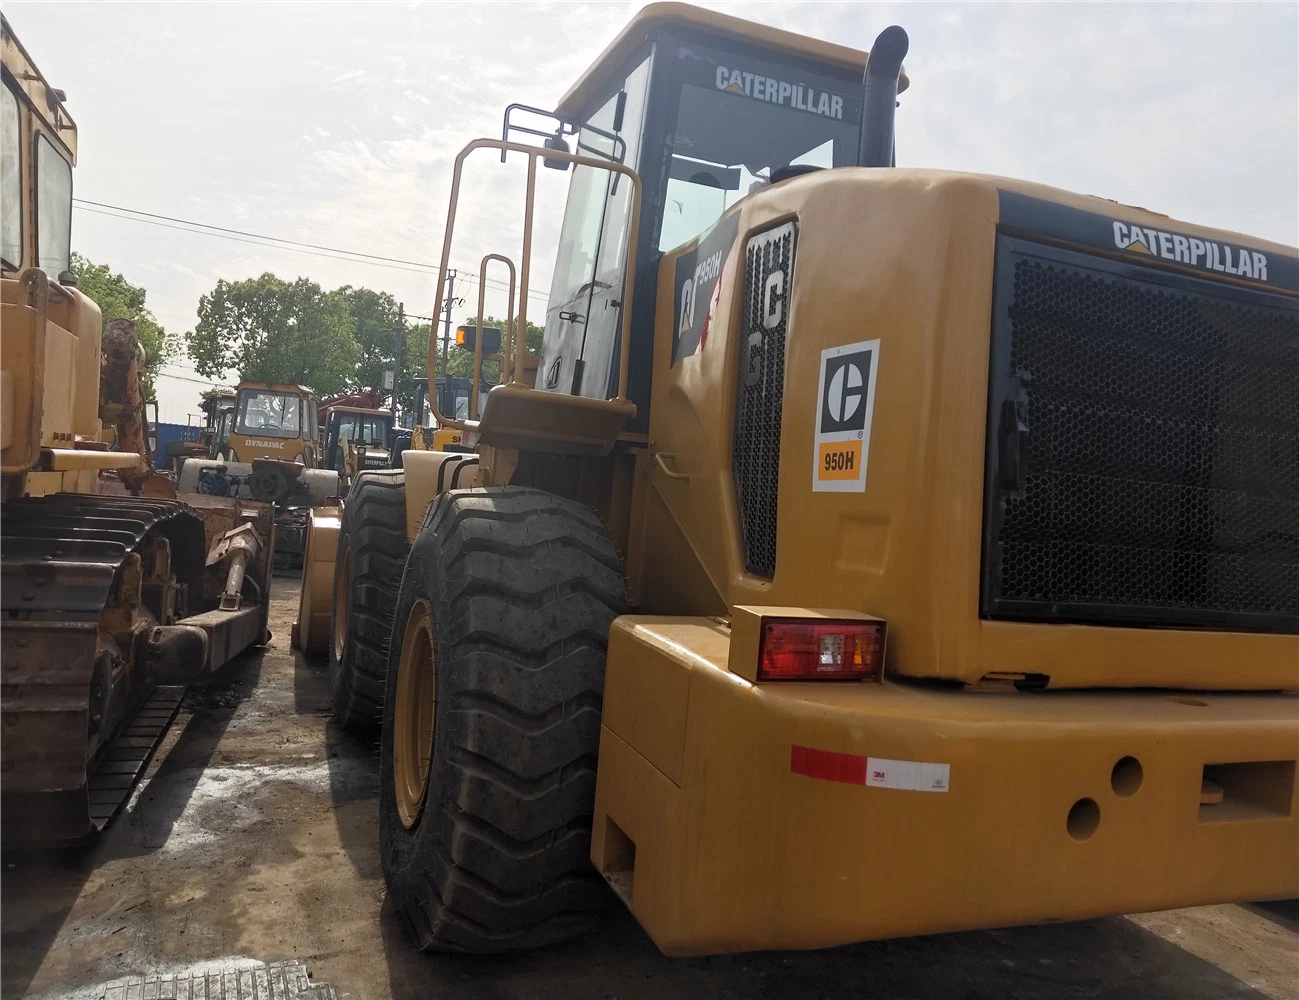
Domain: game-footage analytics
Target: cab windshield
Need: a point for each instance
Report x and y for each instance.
(362, 428)
(737, 122)
(269, 414)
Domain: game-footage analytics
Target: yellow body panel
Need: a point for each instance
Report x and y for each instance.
(429, 473)
(310, 633)
(917, 275)
(735, 851)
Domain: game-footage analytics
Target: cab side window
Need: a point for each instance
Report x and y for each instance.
(583, 317)
(11, 181)
(53, 208)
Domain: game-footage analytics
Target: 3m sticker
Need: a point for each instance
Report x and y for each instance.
(845, 405)
(911, 775)
(874, 772)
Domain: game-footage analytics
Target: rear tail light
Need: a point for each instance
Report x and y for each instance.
(807, 649)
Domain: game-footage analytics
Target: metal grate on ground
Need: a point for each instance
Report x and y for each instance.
(277, 981)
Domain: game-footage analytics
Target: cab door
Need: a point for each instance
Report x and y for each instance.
(579, 349)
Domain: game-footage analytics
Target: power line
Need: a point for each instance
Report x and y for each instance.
(240, 232)
(237, 239)
(257, 239)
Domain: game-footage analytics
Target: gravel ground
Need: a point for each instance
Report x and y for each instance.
(255, 840)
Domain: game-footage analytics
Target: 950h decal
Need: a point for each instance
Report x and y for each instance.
(845, 404)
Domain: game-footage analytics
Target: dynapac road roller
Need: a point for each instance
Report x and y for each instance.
(109, 604)
(881, 551)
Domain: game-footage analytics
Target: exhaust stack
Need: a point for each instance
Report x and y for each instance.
(880, 100)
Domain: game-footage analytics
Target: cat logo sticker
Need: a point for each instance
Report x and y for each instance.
(845, 404)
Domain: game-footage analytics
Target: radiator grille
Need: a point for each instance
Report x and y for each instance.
(1143, 447)
(768, 270)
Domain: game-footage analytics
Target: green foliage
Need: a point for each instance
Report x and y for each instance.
(269, 329)
(339, 341)
(117, 298)
(376, 315)
(415, 365)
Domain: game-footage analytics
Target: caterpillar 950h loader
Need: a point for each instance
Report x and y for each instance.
(109, 604)
(881, 551)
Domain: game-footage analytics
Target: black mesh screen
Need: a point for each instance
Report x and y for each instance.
(1143, 447)
(768, 269)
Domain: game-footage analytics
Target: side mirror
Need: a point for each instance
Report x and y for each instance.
(556, 142)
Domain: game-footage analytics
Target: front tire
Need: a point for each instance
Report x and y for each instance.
(490, 735)
(372, 551)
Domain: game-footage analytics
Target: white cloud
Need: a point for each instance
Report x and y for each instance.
(338, 124)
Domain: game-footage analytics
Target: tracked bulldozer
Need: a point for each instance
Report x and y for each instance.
(880, 551)
(114, 595)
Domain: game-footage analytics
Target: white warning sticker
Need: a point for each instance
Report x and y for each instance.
(911, 775)
(845, 404)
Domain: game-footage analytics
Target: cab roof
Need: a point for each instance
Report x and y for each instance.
(42, 98)
(656, 16)
(362, 410)
(289, 387)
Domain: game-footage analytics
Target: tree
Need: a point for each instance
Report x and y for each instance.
(117, 298)
(416, 364)
(276, 331)
(376, 315)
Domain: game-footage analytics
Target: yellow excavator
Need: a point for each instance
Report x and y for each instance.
(881, 550)
(114, 595)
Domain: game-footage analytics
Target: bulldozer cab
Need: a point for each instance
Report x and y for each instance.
(275, 420)
(706, 110)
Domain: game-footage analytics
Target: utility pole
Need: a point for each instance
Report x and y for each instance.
(398, 355)
(446, 333)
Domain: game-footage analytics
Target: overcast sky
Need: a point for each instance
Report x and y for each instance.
(337, 124)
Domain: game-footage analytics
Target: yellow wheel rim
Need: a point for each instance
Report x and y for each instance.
(414, 715)
(342, 595)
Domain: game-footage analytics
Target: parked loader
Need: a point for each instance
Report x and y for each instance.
(114, 594)
(357, 434)
(881, 551)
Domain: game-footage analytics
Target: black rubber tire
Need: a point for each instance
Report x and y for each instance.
(268, 485)
(523, 586)
(374, 530)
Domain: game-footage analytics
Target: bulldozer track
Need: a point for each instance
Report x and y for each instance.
(61, 554)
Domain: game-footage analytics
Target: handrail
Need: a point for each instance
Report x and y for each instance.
(533, 152)
(478, 337)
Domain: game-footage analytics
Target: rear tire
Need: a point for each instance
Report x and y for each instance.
(509, 593)
(372, 551)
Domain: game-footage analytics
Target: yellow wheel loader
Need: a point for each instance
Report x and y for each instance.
(881, 551)
(111, 604)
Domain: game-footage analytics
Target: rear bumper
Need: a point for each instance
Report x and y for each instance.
(733, 816)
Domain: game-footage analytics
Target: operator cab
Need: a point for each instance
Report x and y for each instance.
(274, 420)
(453, 398)
(705, 108)
(368, 429)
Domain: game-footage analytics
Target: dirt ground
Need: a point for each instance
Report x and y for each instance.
(255, 838)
